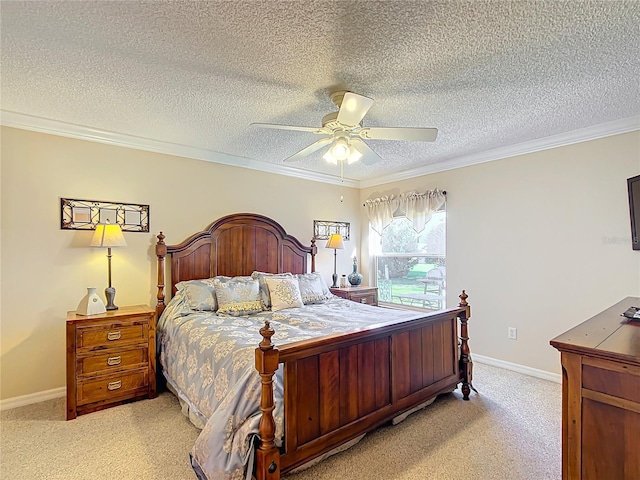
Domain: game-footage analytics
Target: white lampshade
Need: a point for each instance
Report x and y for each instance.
(354, 155)
(340, 149)
(108, 235)
(330, 158)
(335, 241)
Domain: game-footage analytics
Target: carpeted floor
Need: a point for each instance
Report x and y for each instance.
(512, 430)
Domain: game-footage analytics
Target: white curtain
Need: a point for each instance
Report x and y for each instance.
(381, 210)
(418, 207)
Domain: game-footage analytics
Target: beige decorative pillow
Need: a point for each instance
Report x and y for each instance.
(264, 290)
(237, 296)
(284, 293)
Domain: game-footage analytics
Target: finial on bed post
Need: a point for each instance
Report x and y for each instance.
(161, 252)
(466, 365)
(266, 332)
(267, 454)
(314, 251)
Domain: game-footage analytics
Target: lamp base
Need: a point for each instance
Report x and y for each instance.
(110, 294)
(335, 280)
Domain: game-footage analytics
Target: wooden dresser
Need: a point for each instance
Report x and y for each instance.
(358, 294)
(601, 396)
(111, 358)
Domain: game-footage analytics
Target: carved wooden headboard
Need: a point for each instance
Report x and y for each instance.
(234, 245)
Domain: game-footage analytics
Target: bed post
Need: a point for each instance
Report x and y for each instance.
(267, 454)
(314, 251)
(161, 251)
(466, 365)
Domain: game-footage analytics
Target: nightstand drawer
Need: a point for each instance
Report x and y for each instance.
(366, 295)
(113, 361)
(112, 386)
(112, 335)
(368, 298)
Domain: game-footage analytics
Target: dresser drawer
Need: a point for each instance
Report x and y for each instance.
(112, 386)
(113, 361)
(112, 335)
(616, 379)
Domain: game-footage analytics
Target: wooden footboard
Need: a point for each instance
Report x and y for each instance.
(338, 387)
(335, 387)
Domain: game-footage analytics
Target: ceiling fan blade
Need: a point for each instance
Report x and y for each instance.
(309, 149)
(399, 133)
(288, 127)
(353, 109)
(369, 157)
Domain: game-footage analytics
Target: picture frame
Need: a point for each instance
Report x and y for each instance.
(87, 214)
(323, 229)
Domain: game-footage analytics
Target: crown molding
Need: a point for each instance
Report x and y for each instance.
(81, 132)
(608, 129)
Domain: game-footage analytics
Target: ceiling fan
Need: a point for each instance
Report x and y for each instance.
(343, 130)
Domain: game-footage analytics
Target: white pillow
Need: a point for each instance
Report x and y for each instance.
(284, 293)
(264, 289)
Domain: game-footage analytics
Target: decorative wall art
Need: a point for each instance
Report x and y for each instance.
(86, 214)
(323, 229)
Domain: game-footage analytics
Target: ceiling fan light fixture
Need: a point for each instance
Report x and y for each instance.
(354, 155)
(340, 149)
(330, 158)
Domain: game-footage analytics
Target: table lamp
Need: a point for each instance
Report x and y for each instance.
(108, 235)
(335, 242)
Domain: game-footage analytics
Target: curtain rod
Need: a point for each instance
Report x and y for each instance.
(444, 192)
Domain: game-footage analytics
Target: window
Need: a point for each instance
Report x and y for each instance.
(410, 267)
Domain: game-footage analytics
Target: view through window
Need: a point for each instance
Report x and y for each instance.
(410, 266)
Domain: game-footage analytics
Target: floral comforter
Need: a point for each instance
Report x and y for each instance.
(208, 361)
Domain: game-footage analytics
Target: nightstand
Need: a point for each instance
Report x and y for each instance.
(360, 294)
(111, 358)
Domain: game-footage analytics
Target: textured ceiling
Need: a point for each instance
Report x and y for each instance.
(486, 74)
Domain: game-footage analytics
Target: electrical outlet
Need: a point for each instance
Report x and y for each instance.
(513, 333)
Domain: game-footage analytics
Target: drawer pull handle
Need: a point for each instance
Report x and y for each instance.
(114, 385)
(111, 361)
(114, 335)
(363, 300)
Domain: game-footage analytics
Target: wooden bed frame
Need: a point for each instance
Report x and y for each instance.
(336, 387)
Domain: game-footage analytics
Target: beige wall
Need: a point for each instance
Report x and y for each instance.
(541, 242)
(45, 270)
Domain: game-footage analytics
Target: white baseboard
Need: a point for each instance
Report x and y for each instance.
(62, 391)
(23, 400)
(533, 372)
